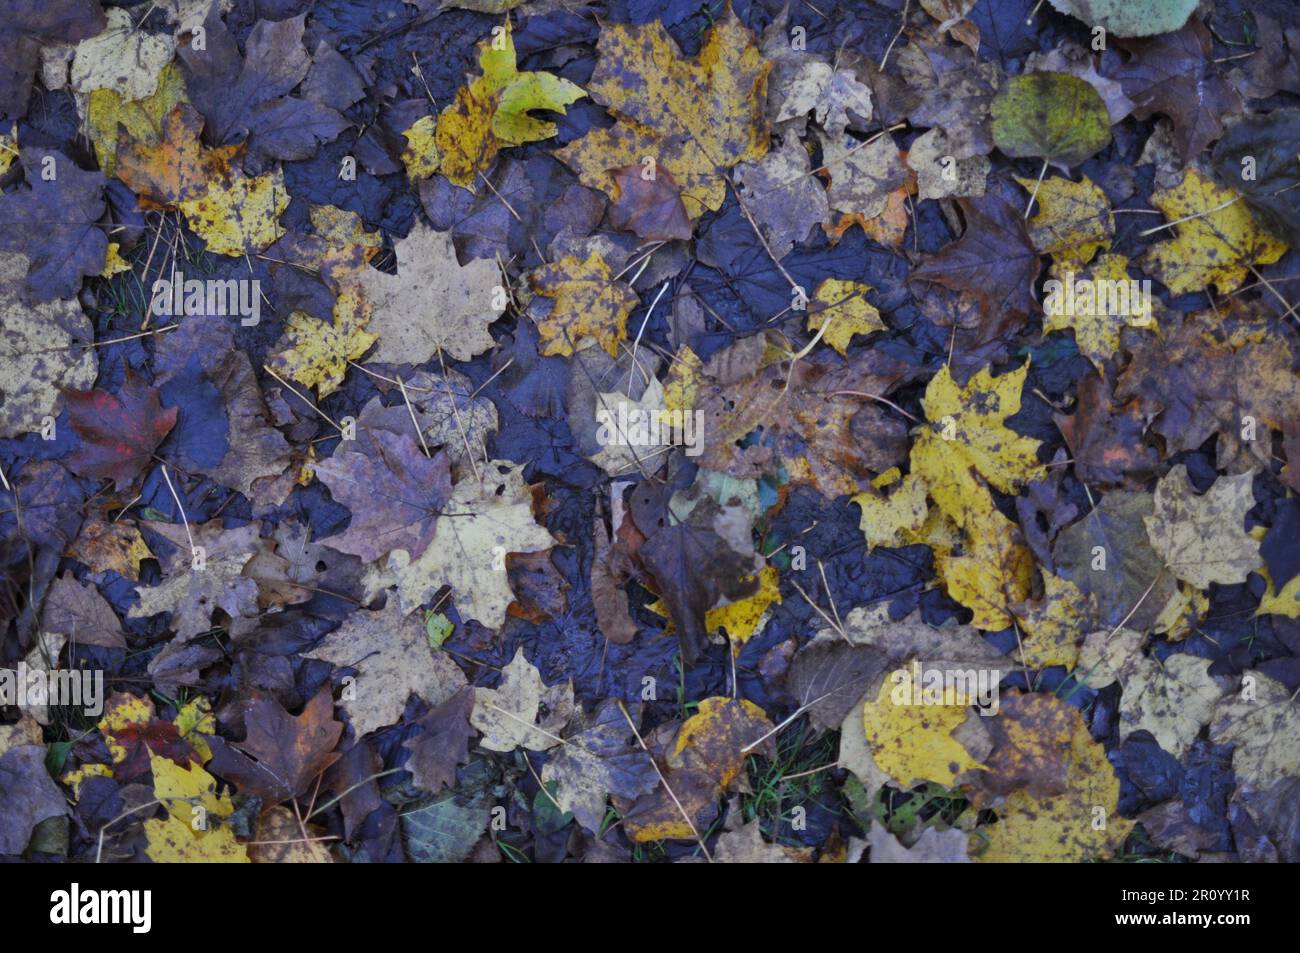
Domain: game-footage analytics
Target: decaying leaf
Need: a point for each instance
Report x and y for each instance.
(696, 118)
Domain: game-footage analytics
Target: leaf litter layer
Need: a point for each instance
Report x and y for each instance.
(713, 434)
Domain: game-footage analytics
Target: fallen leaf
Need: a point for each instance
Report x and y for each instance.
(79, 613)
(1217, 239)
(589, 303)
(484, 520)
(842, 307)
(393, 658)
(393, 491)
(1130, 17)
(42, 351)
(696, 118)
(1201, 538)
(119, 432)
(1056, 117)
(281, 754)
(453, 305)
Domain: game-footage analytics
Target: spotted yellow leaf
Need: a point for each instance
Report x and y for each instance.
(589, 302)
(695, 117)
(240, 215)
(842, 307)
(316, 353)
(1217, 240)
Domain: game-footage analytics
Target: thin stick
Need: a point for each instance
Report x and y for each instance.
(644, 321)
(889, 49)
(411, 410)
(1188, 218)
(180, 506)
(1041, 172)
(884, 400)
(322, 413)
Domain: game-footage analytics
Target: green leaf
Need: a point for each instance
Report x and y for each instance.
(1130, 17)
(1054, 116)
(439, 628)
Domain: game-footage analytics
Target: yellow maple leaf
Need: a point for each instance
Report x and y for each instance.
(970, 438)
(192, 831)
(891, 520)
(106, 110)
(1099, 307)
(490, 111)
(696, 118)
(316, 353)
(1053, 627)
(994, 569)
(1074, 220)
(194, 720)
(588, 303)
(171, 165)
(741, 619)
(845, 306)
(239, 215)
(421, 154)
(1218, 239)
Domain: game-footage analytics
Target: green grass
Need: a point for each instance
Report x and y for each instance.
(798, 773)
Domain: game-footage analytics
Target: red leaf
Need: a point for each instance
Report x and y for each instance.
(119, 432)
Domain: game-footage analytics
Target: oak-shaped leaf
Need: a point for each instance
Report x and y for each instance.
(281, 754)
(119, 432)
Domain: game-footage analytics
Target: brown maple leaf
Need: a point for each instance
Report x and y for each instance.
(994, 259)
(281, 754)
